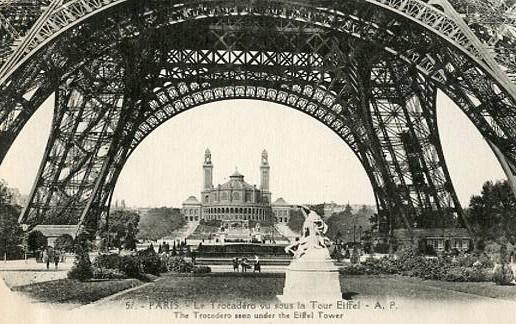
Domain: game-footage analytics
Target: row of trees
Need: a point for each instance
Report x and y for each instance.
(126, 226)
(344, 225)
(350, 226)
(121, 230)
(492, 213)
(10, 231)
(157, 223)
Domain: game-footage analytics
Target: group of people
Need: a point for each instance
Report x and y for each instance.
(52, 256)
(244, 264)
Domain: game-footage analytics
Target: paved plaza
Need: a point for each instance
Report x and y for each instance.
(25, 272)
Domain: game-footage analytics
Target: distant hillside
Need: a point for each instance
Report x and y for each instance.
(156, 223)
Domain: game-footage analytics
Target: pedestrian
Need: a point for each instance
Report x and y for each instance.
(192, 255)
(235, 264)
(51, 256)
(57, 257)
(244, 264)
(257, 266)
(45, 258)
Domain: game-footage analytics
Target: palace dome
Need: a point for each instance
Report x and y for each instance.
(191, 200)
(236, 181)
(280, 202)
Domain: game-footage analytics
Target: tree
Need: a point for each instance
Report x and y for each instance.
(503, 274)
(122, 229)
(82, 269)
(318, 208)
(339, 224)
(10, 231)
(36, 241)
(296, 220)
(492, 214)
(129, 242)
(64, 242)
(160, 222)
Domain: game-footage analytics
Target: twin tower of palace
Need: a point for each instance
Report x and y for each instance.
(236, 200)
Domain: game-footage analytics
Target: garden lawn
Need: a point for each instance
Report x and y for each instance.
(211, 287)
(487, 289)
(264, 287)
(75, 292)
(368, 286)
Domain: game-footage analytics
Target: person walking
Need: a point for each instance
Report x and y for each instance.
(57, 258)
(257, 266)
(244, 264)
(235, 264)
(45, 258)
(51, 256)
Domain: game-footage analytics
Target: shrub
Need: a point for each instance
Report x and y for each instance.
(129, 265)
(336, 254)
(64, 242)
(180, 265)
(36, 241)
(355, 256)
(107, 261)
(429, 250)
(346, 254)
(470, 260)
(471, 274)
(211, 222)
(150, 261)
(430, 269)
(373, 265)
(385, 265)
(466, 268)
(486, 261)
(411, 264)
(353, 269)
(82, 269)
(503, 274)
(201, 269)
(13, 253)
(382, 248)
(106, 273)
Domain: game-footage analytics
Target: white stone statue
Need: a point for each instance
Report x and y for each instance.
(312, 275)
(313, 237)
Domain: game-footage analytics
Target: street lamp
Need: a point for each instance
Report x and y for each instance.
(5, 249)
(25, 229)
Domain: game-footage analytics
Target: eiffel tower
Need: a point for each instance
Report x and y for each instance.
(370, 70)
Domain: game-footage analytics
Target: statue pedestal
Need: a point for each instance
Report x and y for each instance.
(313, 276)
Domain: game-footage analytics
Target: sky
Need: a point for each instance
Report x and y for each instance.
(309, 163)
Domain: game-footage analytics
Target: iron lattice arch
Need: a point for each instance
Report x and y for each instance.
(368, 72)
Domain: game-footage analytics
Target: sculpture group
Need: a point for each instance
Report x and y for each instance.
(312, 273)
(313, 237)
